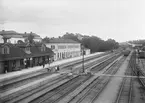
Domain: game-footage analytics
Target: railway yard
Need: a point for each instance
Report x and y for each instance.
(110, 77)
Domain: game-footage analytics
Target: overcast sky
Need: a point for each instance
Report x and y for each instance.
(121, 20)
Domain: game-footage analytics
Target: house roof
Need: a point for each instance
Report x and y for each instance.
(14, 34)
(35, 52)
(60, 40)
(18, 52)
(8, 32)
(15, 53)
(26, 34)
(26, 44)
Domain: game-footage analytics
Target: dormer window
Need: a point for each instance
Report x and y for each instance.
(27, 50)
(5, 50)
(52, 47)
(43, 48)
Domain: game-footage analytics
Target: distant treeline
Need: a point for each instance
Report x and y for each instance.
(94, 43)
(138, 42)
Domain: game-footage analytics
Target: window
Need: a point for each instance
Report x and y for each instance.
(5, 50)
(61, 55)
(14, 64)
(43, 48)
(52, 46)
(2, 50)
(61, 47)
(21, 62)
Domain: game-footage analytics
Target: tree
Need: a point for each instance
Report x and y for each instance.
(31, 38)
(71, 36)
(94, 43)
(46, 39)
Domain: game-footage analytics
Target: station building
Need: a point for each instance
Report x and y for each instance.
(64, 48)
(20, 55)
(13, 36)
(15, 57)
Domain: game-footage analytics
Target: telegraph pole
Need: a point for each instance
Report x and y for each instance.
(83, 59)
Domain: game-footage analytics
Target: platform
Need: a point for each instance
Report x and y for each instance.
(40, 68)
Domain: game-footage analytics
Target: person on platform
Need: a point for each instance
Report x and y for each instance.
(57, 68)
(43, 65)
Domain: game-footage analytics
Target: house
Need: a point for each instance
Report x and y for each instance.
(18, 56)
(64, 48)
(13, 36)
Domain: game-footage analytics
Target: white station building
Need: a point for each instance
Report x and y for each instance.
(14, 37)
(64, 48)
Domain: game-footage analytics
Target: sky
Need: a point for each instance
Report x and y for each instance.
(121, 20)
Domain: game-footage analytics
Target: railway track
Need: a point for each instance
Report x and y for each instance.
(20, 97)
(102, 62)
(105, 63)
(28, 79)
(63, 93)
(59, 92)
(91, 92)
(16, 84)
(67, 65)
(12, 98)
(125, 93)
(142, 72)
(88, 63)
(138, 67)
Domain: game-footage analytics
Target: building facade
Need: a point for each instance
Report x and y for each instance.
(1, 39)
(15, 57)
(64, 48)
(13, 37)
(18, 55)
(87, 51)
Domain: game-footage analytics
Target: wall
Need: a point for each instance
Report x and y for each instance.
(1, 67)
(1, 40)
(87, 51)
(14, 40)
(64, 50)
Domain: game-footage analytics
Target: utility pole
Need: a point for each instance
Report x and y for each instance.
(83, 59)
(82, 50)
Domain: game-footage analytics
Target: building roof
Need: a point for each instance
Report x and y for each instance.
(8, 32)
(34, 34)
(19, 52)
(60, 40)
(15, 53)
(14, 34)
